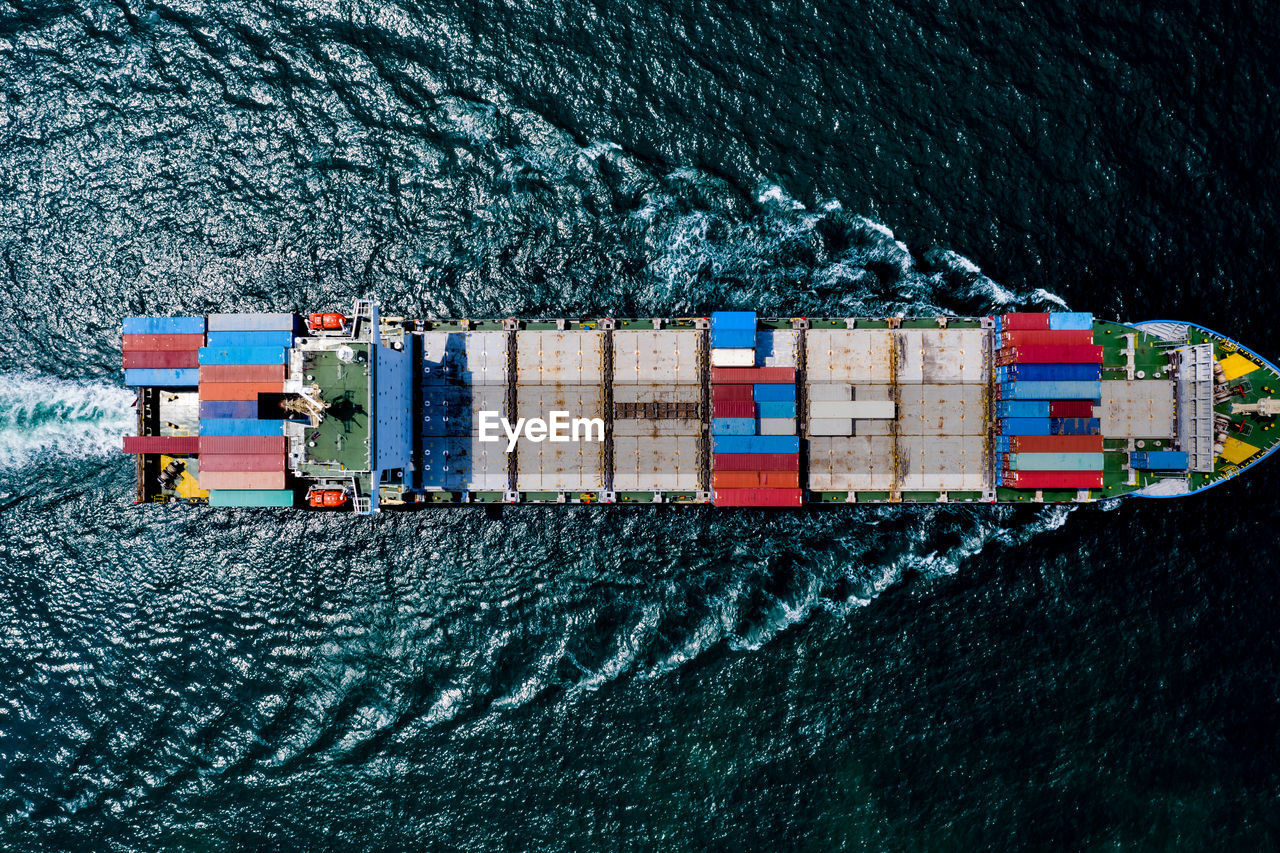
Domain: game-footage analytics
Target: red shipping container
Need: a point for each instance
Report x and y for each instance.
(1011, 322)
(171, 444)
(733, 409)
(248, 444)
(241, 462)
(1070, 409)
(238, 390)
(241, 480)
(1054, 480)
(1050, 355)
(162, 343)
(1055, 444)
(161, 358)
(756, 462)
(736, 393)
(759, 497)
(754, 375)
(242, 373)
(1037, 337)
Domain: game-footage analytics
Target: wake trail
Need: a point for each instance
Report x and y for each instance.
(43, 418)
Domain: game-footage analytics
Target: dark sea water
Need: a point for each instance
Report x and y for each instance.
(638, 678)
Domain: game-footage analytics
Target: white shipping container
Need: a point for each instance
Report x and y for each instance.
(733, 358)
(853, 409)
(777, 426)
(830, 391)
(830, 426)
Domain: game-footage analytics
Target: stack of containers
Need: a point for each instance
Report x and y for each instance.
(162, 351)
(242, 454)
(755, 449)
(1049, 377)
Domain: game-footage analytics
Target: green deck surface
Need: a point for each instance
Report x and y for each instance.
(342, 439)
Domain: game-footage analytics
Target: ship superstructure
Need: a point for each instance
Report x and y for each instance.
(360, 412)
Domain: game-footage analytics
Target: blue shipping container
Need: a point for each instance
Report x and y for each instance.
(163, 377)
(775, 393)
(164, 325)
(1070, 321)
(755, 444)
(733, 320)
(251, 497)
(776, 409)
(228, 409)
(221, 340)
(1003, 444)
(240, 427)
(242, 355)
(253, 322)
(1063, 390)
(1075, 426)
(1159, 460)
(1024, 426)
(733, 338)
(1023, 409)
(1035, 372)
(733, 426)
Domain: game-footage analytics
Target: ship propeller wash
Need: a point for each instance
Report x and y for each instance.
(361, 413)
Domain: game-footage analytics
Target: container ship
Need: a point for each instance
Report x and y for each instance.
(359, 412)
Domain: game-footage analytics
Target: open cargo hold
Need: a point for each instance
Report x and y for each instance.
(755, 479)
(242, 355)
(1064, 390)
(776, 426)
(241, 479)
(241, 462)
(1050, 444)
(241, 444)
(1054, 480)
(735, 393)
(733, 426)
(759, 497)
(162, 343)
(162, 377)
(733, 409)
(250, 339)
(1039, 337)
(730, 358)
(1070, 320)
(174, 445)
(253, 322)
(163, 325)
(734, 338)
(228, 408)
(242, 373)
(1071, 409)
(1048, 372)
(1054, 461)
(160, 358)
(1016, 321)
(240, 427)
(763, 444)
(1050, 355)
(1023, 409)
(733, 320)
(251, 498)
(774, 393)
(756, 462)
(1159, 460)
(238, 390)
(753, 375)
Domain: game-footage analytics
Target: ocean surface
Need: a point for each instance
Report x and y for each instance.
(938, 678)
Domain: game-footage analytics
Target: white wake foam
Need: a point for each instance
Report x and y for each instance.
(43, 418)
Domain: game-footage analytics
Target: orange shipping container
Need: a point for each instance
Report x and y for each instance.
(238, 390)
(735, 479)
(242, 373)
(241, 480)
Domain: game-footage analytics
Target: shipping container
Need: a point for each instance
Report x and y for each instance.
(1065, 390)
(1050, 355)
(221, 462)
(240, 427)
(733, 320)
(853, 409)
(162, 377)
(756, 462)
(776, 426)
(733, 426)
(755, 479)
(830, 426)
(1048, 372)
(221, 340)
(1053, 480)
(242, 373)
(160, 358)
(251, 498)
(767, 444)
(242, 355)
(1159, 460)
(241, 444)
(1071, 320)
(732, 408)
(1071, 409)
(1011, 322)
(733, 338)
(1055, 444)
(241, 479)
(228, 409)
(1075, 426)
(174, 445)
(759, 497)
(776, 409)
(774, 393)
(1024, 426)
(728, 358)
(754, 375)
(1036, 337)
(253, 322)
(164, 325)
(734, 393)
(1023, 409)
(162, 343)
(1054, 461)
(238, 390)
